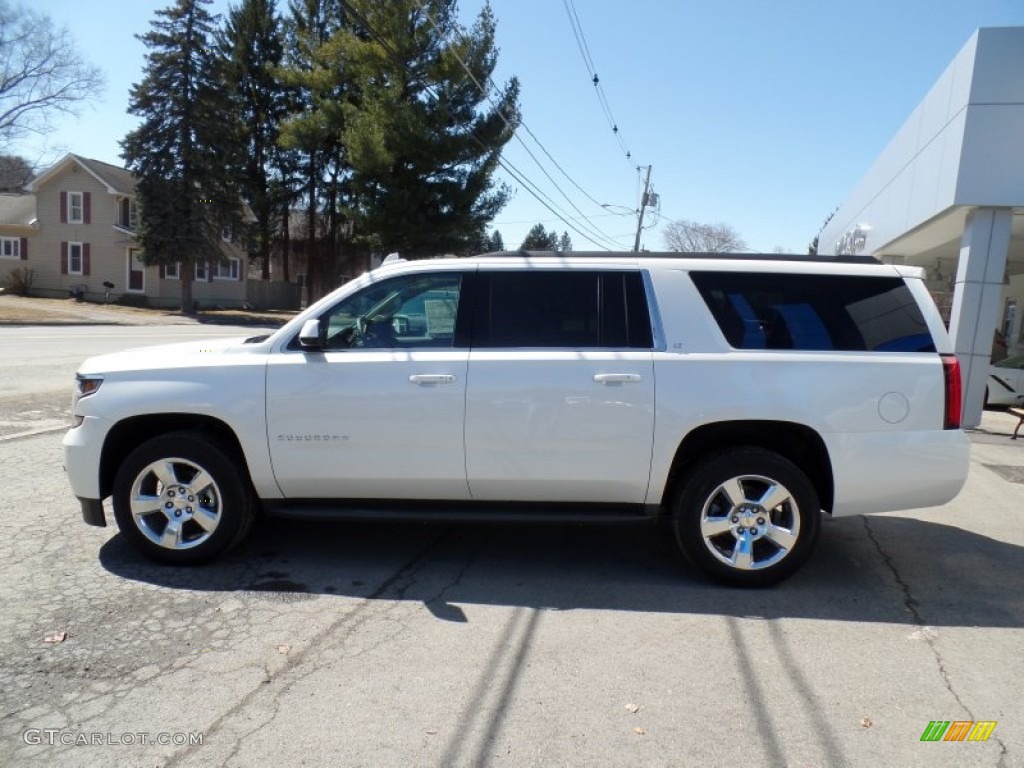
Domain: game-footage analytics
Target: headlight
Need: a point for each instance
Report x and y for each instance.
(86, 385)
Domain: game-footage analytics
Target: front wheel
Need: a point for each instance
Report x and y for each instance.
(748, 517)
(179, 498)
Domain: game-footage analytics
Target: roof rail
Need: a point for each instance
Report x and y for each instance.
(818, 259)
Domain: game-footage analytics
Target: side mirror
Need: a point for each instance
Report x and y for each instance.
(309, 336)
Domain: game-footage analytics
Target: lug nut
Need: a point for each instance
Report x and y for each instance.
(191, 498)
(740, 530)
(177, 513)
(735, 519)
(168, 505)
(189, 510)
(182, 491)
(171, 494)
(760, 520)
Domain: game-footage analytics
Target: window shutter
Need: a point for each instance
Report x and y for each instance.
(63, 207)
(85, 258)
(63, 258)
(24, 249)
(86, 208)
(209, 271)
(163, 272)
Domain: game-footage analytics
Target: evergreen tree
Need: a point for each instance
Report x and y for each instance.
(317, 86)
(565, 243)
(539, 239)
(253, 47)
(495, 242)
(185, 150)
(423, 139)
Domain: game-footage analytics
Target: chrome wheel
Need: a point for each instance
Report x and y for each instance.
(750, 522)
(746, 516)
(175, 503)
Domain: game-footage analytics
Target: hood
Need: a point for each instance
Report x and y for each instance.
(185, 354)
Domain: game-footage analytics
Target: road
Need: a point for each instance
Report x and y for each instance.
(38, 364)
(514, 645)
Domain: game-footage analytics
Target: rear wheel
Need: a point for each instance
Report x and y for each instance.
(180, 499)
(748, 517)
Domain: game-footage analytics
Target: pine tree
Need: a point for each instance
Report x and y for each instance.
(253, 46)
(423, 140)
(185, 150)
(495, 242)
(539, 239)
(311, 134)
(565, 243)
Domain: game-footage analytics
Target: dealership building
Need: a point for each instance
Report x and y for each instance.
(947, 194)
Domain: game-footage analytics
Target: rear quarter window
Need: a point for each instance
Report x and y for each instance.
(814, 312)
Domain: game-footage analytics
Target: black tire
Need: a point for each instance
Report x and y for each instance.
(205, 511)
(746, 544)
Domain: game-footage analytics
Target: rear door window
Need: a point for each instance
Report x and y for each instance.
(814, 312)
(562, 309)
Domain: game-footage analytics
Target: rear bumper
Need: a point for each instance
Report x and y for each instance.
(889, 471)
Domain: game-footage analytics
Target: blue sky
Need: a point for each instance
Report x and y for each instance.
(762, 114)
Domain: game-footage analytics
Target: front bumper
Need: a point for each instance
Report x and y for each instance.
(83, 447)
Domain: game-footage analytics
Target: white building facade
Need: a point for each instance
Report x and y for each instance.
(947, 194)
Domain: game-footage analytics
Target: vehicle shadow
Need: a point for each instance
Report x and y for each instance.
(876, 569)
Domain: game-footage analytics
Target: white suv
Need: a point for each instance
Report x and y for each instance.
(736, 397)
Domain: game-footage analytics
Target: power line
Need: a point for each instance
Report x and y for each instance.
(588, 62)
(486, 93)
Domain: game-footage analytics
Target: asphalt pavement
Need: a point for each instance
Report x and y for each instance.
(511, 645)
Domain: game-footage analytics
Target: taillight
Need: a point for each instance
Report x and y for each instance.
(954, 392)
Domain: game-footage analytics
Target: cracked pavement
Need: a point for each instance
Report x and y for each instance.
(506, 645)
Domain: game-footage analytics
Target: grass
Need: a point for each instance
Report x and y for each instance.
(19, 310)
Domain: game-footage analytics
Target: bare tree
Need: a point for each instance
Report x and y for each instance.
(693, 237)
(41, 73)
(15, 173)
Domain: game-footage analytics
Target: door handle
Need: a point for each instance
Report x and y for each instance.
(432, 378)
(617, 378)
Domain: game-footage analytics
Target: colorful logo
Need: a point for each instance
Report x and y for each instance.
(958, 730)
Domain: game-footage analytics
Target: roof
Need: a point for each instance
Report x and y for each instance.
(120, 179)
(17, 210)
(117, 180)
(588, 255)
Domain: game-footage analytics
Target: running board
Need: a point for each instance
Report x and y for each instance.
(459, 511)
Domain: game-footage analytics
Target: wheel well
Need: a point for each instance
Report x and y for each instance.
(797, 442)
(127, 435)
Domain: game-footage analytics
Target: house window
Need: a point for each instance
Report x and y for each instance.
(128, 214)
(10, 247)
(227, 234)
(76, 208)
(74, 258)
(226, 270)
(201, 270)
(173, 271)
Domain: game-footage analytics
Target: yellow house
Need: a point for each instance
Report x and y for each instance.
(75, 228)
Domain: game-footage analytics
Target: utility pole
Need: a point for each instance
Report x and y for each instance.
(643, 205)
